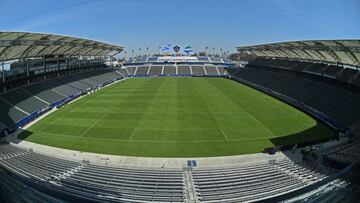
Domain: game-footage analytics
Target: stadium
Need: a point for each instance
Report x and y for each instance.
(271, 122)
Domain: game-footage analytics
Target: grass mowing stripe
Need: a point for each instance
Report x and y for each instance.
(206, 105)
(172, 117)
(163, 141)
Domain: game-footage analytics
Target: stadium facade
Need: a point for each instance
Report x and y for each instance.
(49, 71)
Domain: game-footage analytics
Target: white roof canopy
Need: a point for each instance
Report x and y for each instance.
(19, 45)
(333, 51)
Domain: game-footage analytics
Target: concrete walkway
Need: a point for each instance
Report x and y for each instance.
(145, 162)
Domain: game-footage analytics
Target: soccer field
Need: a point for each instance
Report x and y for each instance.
(176, 117)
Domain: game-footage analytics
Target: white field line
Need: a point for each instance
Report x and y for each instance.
(222, 132)
(162, 141)
(173, 129)
(132, 134)
(174, 112)
(92, 125)
(267, 130)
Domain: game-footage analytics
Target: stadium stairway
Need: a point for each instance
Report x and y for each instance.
(254, 182)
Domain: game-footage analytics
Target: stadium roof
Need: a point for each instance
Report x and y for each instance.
(18, 45)
(332, 51)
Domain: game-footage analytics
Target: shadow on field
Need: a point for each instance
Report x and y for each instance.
(316, 134)
(20, 136)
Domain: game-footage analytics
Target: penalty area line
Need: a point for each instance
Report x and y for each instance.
(161, 141)
(266, 129)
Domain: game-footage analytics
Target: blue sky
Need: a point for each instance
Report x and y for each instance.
(214, 23)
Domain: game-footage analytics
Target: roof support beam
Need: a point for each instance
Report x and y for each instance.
(330, 51)
(19, 45)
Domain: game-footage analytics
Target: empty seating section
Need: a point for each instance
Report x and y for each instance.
(179, 66)
(316, 68)
(348, 111)
(94, 182)
(43, 92)
(2, 127)
(86, 80)
(8, 151)
(342, 106)
(98, 77)
(346, 74)
(83, 81)
(251, 183)
(127, 184)
(329, 99)
(24, 100)
(169, 70)
(355, 127)
(62, 88)
(222, 71)
(288, 86)
(332, 71)
(131, 70)
(309, 92)
(349, 153)
(37, 166)
(184, 70)
(18, 103)
(123, 72)
(206, 59)
(142, 59)
(9, 115)
(155, 70)
(211, 70)
(356, 80)
(215, 59)
(74, 83)
(198, 70)
(261, 62)
(142, 70)
(110, 76)
(152, 59)
(285, 64)
(172, 70)
(16, 191)
(300, 66)
(349, 75)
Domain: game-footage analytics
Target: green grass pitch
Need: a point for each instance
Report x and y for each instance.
(176, 117)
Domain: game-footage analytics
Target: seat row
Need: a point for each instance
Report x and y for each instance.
(195, 70)
(95, 182)
(348, 75)
(336, 103)
(253, 182)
